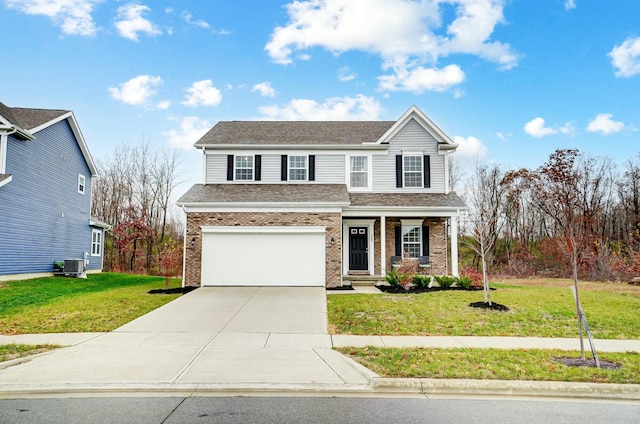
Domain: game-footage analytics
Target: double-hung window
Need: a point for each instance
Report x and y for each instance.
(359, 172)
(411, 241)
(243, 168)
(298, 169)
(96, 242)
(412, 169)
(81, 183)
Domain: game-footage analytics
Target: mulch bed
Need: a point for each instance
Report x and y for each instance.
(177, 290)
(493, 306)
(399, 289)
(578, 362)
(341, 288)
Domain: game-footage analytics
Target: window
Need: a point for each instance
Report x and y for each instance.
(411, 241)
(81, 183)
(297, 168)
(412, 171)
(96, 242)
(359, 171)
(244, 168)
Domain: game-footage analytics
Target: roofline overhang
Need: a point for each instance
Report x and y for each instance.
(14, 129)
(403, 210)
(363, 146)
(231, 205)
(100, 224)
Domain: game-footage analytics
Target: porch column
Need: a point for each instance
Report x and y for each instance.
(383, 245)
(454, 245)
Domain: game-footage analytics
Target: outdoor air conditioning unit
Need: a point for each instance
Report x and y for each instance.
(73, 266)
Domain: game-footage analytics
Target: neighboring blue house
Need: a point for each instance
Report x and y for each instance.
(45, 194)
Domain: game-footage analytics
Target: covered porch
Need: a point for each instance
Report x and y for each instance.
(376, 236)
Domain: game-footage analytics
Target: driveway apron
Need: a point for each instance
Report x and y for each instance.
(236, 337)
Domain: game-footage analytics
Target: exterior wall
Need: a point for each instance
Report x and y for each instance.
(332, 222)
(329, 168)
(43, 217)
(412, 137)
(437, 243)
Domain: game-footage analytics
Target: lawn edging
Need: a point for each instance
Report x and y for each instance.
(486, 388)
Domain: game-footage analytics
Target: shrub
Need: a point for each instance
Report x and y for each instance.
(473, 274)
(464, 282)
(421, 281)
(393, 277)
(445, 281)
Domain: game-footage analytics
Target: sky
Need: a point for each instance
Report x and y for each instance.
(509, 80)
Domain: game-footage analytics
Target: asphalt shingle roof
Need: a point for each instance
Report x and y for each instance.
(313, 193)
(27, 118)
(266, 193)
(295, 132)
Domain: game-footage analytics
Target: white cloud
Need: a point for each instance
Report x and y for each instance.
(536, 128)
(358, 108)
(265, 89)
(345, 74)
(190, 130)
(137, 90)
(163, 104)
(569, 4)
(471, 150)
(72, 16)
(130, 21)
(626, 57)
(408, 35)
(604, 124)
(203, 93)
(420, 79)
(187, 17)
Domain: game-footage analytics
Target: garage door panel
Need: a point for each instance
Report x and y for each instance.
(263, 257)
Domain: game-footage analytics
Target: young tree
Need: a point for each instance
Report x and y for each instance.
(485, 198)
(556, 191)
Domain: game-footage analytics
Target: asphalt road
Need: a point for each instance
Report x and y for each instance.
(282, 410)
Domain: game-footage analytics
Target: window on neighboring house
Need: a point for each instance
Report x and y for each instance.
(96, 242)
(298, 168)
(359, 171)
(411, 241)
(244, 168)
(81, 183)
(412, 171)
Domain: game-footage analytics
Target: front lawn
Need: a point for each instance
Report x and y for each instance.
(538, 308)
(101, 302)
(493, 364)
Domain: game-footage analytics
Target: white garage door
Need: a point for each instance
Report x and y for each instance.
(263, 256)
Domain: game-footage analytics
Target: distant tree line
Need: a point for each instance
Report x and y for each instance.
(574, 216)
(133, 194)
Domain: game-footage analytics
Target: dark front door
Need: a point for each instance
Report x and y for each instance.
(358, 249)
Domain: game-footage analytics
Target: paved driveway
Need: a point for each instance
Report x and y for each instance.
(213, 337)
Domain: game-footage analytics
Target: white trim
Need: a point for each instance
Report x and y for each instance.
(266, 229)
(370, 224)
(262, 207)
(454, 245)
(4, 140)
(404, 171)
(253, 168)
(82, 185)
(411, 223)
(289, 168)
(214, 149)
(383, 245)
(347, 169)
(99, 243)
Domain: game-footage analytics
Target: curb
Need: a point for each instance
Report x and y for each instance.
(557, 389)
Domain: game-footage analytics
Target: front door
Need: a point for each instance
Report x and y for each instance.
(358, 249)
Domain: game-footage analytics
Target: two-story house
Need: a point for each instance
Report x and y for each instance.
(45, 194)
(315, 203)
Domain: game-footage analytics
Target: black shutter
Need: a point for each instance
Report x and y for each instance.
(230, 159)
(427, 171)
(425, 240)
(283, 168)
(398, 230)
(258, 167)
(312, 167)
(399, 171)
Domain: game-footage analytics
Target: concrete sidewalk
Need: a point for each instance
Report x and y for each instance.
(255, 340)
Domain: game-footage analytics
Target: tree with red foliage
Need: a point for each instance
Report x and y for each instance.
(131, 230)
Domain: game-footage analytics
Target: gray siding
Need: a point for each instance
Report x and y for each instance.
(413, 137)
(329, 169)
(43, 217)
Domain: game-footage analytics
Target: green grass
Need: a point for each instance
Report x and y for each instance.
(14, 351)
(102, 302)
(542, 309)
(493, 364)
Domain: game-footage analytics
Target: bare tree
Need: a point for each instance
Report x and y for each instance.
(485, 198)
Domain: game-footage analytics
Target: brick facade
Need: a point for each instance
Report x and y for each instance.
(437, 243)
(196, 220)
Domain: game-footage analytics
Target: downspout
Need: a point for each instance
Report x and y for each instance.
(184, 249)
